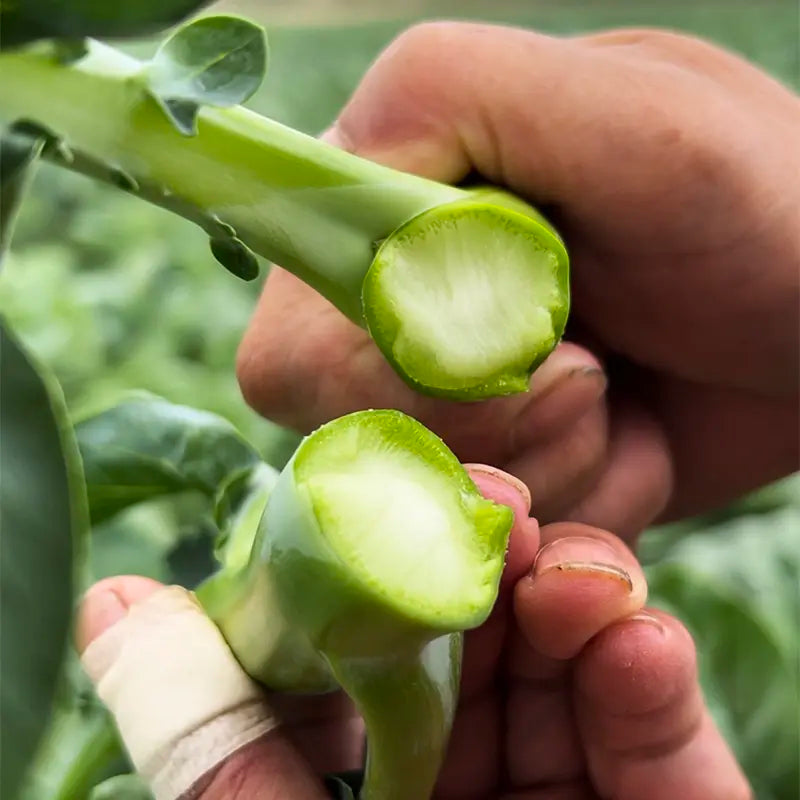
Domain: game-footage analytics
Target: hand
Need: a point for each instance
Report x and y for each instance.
(572, 690)
(670, 167)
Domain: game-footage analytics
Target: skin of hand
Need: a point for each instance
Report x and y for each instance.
(670, 167)
(572, 689)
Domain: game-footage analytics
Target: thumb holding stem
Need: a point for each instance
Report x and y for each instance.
(193, 723)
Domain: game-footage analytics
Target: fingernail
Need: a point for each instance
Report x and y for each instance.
(510, 480)
(648, 619)
(581, 554)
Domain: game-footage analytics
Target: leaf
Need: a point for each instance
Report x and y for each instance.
(82, 746)
(29, 20)
(19, 153)
(122, 787)
(146, 446)
(43, 520)
(236, 257)
(237, 512)
(735, 586)
(217, 61)
(68, 51)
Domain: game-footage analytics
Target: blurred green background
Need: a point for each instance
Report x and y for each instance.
(114, 294)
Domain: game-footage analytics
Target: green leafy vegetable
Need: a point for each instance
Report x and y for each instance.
(43, 520)
(144, 447)
(735, 585)
(81, 747)
(218, 61)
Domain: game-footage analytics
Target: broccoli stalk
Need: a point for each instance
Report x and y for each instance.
(465, 291)
(374, 552)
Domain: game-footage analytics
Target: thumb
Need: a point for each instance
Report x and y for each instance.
(193, 722)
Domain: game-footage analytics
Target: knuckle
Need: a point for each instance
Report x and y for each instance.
(424, 38)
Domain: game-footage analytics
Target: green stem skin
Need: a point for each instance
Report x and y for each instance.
(464, 291)
(240, 598)
(377, 539)
(408, 703)
(308, 206)
(375, 550)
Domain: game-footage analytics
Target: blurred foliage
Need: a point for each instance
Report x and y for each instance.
(114, 295)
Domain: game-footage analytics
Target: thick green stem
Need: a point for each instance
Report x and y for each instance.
(408, 702)
(374, 552)
(293, 199)
(464, 291)
(242, 601)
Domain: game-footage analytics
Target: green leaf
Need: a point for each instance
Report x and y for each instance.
(218, 61)
(19, 152)
(238, 509)
(43, 521)
(68, 51)
(236, 257)
(735, 585)
(29, 20)
(145, 447)
(82, 746)
(122, 787)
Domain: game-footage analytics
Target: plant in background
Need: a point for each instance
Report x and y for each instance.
(464, 290)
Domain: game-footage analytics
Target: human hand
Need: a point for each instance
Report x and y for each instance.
(670, 168)
(572, 690)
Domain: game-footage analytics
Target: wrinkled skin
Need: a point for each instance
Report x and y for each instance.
(670, 167)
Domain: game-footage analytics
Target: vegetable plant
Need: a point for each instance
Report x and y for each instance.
(464, 289)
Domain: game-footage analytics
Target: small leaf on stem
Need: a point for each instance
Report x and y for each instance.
(236, 257)
(218, 61)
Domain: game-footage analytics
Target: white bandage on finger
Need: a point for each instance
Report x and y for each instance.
(181, 701)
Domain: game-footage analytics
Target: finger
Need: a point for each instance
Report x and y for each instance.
(191, 720)
(563, 468)
(642, 717)
(424, 108)
(472, 763)
(583, 580)
(508, 490)
(634, 483)
(326, 730)
(482, 646)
